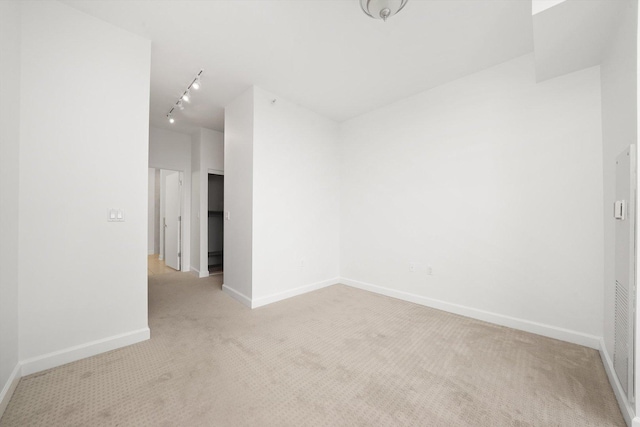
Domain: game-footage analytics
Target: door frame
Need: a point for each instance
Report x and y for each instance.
(184, 262)
(180, 216)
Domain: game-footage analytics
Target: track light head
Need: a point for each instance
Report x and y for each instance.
(185, 97)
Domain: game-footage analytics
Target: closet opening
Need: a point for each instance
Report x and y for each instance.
(215, 223)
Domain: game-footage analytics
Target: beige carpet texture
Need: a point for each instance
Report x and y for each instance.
(334, 357)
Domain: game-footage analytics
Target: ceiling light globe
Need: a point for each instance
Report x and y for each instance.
(186, 96)
(196, 84)
(382, 9)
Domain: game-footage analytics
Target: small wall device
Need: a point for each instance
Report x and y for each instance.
(620, 209)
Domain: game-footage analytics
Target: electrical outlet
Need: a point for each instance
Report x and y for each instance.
(429, 270)
(412, 267)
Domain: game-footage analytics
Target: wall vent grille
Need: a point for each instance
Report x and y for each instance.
(621, 336)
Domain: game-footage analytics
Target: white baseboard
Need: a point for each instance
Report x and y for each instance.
(562, 334)
(635, 422)
(238, 296)
(628, 412)
(268, 299)
(200, 274)
(10, 387)
(151, 252)
(71, 354)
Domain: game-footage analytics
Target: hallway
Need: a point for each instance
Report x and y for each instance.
(157, 266)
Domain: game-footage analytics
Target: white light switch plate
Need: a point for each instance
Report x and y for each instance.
(115, 215)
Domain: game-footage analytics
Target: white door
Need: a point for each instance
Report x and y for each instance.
(172, 220)
(624, 214)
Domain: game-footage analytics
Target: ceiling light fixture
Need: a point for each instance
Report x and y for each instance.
(196, 83)
(186, 96)
(382, 9)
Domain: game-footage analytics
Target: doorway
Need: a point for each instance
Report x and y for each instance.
(165, 221)
(215, 222)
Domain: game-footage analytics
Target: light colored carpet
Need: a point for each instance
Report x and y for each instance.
(337, 356)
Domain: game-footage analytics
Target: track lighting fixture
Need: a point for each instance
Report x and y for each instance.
(185, 97)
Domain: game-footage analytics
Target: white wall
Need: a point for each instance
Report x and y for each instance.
(619, 80)
(212, 146)
(207, 152)
(151, 212)
(496, 183)
(9, 172)
(83, 280)
(213, 149)
(538, 6)
(619, 130)
(169, 150)
(172, 151)
(295, 197)
(636, 420)
(238, 196)
(196, 160)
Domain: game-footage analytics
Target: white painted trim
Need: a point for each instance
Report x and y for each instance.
(268, 299)
(200, 274)
(215, 172)
(238, 296)
(635, 422)
(151, 252)
(10, 387)
(626, 408)
(550, 331)
(71, 354)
